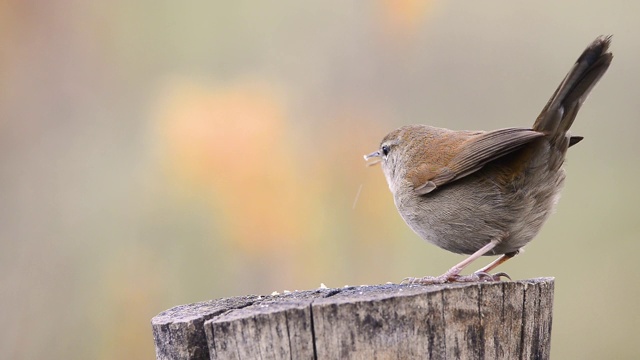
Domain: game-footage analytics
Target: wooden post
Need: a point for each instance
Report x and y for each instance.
(496, 320)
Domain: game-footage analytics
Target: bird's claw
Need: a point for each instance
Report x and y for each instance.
(500, 275)
(485, 276)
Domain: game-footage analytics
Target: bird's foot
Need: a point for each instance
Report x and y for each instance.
(481, 276)
(445, 278)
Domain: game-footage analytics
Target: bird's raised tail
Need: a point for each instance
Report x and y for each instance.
(558, 115)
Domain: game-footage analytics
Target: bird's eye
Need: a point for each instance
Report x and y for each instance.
(385, 150)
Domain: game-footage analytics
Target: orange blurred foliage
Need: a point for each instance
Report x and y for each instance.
(231, 143)
(403, 18)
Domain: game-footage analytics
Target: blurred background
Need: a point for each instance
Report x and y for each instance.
(160, 153)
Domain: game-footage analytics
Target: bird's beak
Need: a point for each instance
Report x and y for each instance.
(373, 155)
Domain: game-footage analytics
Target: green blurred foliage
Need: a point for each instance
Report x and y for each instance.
(160, 153)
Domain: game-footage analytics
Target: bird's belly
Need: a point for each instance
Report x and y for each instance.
(462, 218)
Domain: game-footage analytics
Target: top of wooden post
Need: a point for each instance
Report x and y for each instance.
(474, 320)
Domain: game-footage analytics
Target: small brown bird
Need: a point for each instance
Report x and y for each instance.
(487, 192)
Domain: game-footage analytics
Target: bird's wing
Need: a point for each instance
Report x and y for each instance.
(471, 156)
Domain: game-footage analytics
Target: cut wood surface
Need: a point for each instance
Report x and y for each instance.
(503, 320)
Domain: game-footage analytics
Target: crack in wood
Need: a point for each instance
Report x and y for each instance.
(366, 322)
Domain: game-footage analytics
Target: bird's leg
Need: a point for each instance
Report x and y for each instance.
(497, 262)
(453, 274)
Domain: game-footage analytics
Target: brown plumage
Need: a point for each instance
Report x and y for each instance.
(487, 193)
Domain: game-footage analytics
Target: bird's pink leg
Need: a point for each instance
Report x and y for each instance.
(453, 274)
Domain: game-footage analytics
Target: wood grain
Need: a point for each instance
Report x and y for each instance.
(499, 320)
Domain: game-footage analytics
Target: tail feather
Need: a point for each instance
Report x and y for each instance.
(557, 116)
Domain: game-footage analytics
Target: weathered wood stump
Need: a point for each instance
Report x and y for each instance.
(505, 320)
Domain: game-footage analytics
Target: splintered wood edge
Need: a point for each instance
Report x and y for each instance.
(228, 326)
